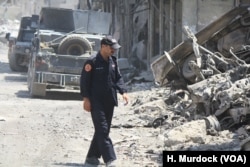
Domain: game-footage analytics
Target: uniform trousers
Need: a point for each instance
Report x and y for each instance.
(101, 144)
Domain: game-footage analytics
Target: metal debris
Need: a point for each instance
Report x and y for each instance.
(209, 75)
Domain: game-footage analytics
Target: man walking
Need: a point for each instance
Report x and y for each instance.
(100, 81)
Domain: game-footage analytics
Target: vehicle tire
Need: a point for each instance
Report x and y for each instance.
(13, 63)
(74, 45)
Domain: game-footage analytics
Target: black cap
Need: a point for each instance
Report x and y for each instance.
(111, 42)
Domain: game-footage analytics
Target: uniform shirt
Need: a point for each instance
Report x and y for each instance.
(101, 79)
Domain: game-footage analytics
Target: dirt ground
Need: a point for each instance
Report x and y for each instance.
(56, 132)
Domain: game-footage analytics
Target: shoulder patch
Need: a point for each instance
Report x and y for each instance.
(87, 67)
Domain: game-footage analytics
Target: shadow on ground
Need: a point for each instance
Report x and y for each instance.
(69, 164)
(52, 95)
(17, 78)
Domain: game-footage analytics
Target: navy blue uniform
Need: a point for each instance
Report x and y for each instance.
(100, 81)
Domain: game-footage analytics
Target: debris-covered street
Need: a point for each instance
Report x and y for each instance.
(55, 131)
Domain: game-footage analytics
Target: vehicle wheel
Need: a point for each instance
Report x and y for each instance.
(13, 63)
(74, 45)
(35, 89)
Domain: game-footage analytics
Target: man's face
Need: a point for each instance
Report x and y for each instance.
(108, 50)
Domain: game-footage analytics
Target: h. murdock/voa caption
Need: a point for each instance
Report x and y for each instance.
(222, 158)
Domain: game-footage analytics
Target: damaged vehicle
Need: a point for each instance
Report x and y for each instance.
(64, 40)
(19, 47)
(212, 67)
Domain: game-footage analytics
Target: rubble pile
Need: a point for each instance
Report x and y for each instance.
(177, 127)
(208, 76)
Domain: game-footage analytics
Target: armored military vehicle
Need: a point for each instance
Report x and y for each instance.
(65, 38)
(20, 45)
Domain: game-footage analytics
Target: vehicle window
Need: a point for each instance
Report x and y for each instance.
(27, 36)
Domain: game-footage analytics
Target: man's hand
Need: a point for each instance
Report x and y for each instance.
(125, 98)
(86, 104)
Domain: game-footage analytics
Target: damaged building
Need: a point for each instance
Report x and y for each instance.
(145, 28)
